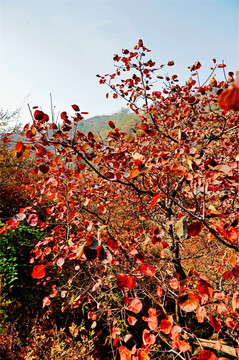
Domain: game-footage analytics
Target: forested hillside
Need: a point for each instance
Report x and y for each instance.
(124, 120)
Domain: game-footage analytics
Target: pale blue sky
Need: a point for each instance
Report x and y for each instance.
(58, 47)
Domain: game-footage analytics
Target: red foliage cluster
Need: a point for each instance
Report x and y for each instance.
(149, 218)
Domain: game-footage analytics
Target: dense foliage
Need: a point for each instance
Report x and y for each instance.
(142, 226)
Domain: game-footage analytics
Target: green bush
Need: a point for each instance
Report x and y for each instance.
(15, 247)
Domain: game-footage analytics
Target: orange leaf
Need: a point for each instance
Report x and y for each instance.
(125, 354)
(142, 355)
(154, 201)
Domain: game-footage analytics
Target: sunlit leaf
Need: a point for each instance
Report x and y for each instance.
(46, 301)
(125, 354)
(148, 337)
(132, 320)
(201, 313)
(188, 301)
(135, 306)
(181, 345)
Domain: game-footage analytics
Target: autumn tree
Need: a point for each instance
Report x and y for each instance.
(144, 225)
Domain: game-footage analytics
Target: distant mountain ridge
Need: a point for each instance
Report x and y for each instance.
(99, 124)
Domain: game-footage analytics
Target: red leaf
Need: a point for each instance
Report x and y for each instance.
(44, 169)
(75, 107)
(125, 299)
(166, 325)
(181, 345)
(20, 147)
(125, 354)
(170, 63)
(227, 275)
(216, 324)
(174, 283)
(201, 313)
(204, 288)
(39, 115)
(231, 323)
(207, 355)
(132, 320)
(175, 332)
(235, 301)
(54, 291)
(110, 176)
(159, 291)
(142, 355)
(135, 306)
(38, 272)
(147, 270)
(111, 124)
(235, 271)
(46, 301)
(148, 338)
(195, 228)
(90, 135)
(230, 233)
(64, 115)
(32, 220)
(125, 281)
(152, 322)
(229, 98)
(188, 301)
(140, 43)
(154, 201)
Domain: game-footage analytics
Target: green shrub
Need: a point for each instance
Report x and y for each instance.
(15, 247)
